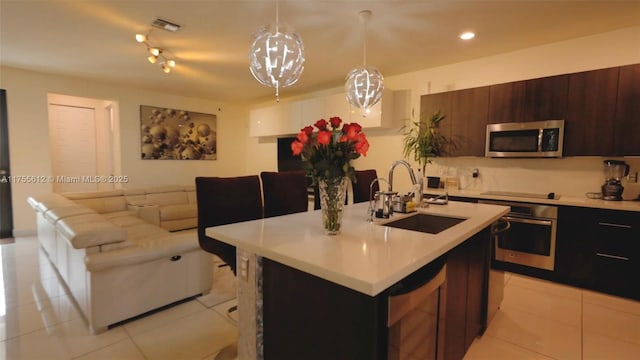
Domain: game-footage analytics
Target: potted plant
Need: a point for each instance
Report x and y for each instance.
(424, 141)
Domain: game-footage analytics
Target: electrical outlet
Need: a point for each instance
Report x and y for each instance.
(244, 268)
(476, 173)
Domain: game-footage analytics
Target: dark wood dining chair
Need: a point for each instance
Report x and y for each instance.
(284, 192)
(362, 187)
(226, 200)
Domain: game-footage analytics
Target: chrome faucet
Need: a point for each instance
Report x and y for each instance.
(406, 164)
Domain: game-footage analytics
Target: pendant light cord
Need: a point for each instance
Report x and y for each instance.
(277, 16)
(364, 46)
(364, 17)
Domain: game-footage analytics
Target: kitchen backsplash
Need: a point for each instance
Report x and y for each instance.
(570, 176)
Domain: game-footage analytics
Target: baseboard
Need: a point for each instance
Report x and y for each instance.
(24, 232)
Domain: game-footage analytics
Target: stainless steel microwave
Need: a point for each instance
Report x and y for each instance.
(525, 139)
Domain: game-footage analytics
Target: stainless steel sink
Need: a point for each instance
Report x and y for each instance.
(426, 223)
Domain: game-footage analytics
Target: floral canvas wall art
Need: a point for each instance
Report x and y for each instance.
(172, 134)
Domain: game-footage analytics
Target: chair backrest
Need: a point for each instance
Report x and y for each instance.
(224, 201)
(284, 192)
(362, 187)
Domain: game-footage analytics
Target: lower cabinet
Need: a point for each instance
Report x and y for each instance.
(466, 294)
(305, 317)
(600, 250)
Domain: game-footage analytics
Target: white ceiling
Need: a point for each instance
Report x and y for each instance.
(95, 39)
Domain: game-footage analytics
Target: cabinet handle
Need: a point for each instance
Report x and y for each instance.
(613, 256)
(512, 219)
(615, 225)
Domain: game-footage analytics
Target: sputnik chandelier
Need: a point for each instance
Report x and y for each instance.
(276, 56)
(364, 83)
(157, 55)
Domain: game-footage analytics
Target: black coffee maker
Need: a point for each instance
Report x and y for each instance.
(614, 171)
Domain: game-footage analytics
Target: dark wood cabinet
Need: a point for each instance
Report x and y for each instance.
(439, 102)
(545, 98)
(306, 317)
(627, 117)
(468, 121)
(599, 250)
(601, 109)
(529, 100)
(466, 294)
(506, 102)
(591, 112)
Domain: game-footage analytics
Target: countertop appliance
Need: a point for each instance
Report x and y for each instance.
(531, 239)
(525, 139)
(614, 171)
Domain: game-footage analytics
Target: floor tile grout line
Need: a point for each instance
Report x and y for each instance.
(522, 347)
(133, 341)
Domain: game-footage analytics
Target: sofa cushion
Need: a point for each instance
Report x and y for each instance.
(148, 250)
(104, 205)
(62, 212)
(84, 231)
(140, 232)
(174, 212)
(49, 201)
(168, 198)
(125, 221)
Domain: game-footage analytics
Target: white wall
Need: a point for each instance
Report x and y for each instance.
(29, 134)
(568, 176)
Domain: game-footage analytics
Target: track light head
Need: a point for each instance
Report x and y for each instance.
(141, 38)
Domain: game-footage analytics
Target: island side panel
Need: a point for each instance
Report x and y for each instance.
(249, 297)
(306, 317)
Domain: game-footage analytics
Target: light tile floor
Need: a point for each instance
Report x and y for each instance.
(537, 320)
(543, 320)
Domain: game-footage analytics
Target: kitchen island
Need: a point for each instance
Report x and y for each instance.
(350, 273)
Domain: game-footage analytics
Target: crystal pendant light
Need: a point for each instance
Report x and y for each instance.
(276, 57)
(364, 83)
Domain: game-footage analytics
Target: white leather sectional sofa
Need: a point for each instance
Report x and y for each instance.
(114, 250)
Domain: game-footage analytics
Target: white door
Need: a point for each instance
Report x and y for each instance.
(72, 131)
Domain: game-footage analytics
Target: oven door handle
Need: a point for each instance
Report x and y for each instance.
(527, 221)
(496, 229)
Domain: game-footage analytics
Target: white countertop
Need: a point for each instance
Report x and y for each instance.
(366, 257)
(626, 205)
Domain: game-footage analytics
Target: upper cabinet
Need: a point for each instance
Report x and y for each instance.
(506, 102)
(591, 112)
(468, 122)
(530, 100)
(287, 118)
(545, 98)
(601, 109)
(627, 119)
(281, 118)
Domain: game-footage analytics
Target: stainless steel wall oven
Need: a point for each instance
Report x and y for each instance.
(531, 239)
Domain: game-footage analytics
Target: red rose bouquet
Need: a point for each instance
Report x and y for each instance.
(327, 152)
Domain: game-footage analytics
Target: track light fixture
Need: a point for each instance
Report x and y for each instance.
(156, 54)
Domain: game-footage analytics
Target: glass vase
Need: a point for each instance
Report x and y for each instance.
(332, 196)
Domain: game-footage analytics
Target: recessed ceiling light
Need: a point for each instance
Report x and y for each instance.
(468, 35)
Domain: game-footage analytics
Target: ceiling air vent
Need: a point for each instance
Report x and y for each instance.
(165, 25)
